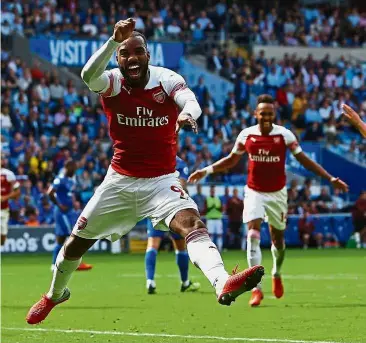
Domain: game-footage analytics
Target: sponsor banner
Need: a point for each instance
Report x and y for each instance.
(76, 52)
(39, 240)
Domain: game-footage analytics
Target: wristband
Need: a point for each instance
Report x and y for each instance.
(208, 170)
(332, 179)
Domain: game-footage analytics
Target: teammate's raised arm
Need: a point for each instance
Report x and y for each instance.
(225, 163)
(354, 119)
(320, 171)
(94, 73)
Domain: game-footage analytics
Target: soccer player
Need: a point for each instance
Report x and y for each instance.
(266, 193)
(9, 190)
(354, 119)
(145, 106)
(60, 193)
(154, 240)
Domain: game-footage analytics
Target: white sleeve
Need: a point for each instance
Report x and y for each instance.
(94, 74)
(10, 176)
(239, 146)
(176, 87)
(291, 142)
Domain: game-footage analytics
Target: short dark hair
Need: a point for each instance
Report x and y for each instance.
(139, 34)
(265, 99)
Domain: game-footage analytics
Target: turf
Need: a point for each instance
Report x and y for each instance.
(325, 300)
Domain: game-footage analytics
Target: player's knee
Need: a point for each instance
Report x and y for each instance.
(195, 224)
(75, 247)
(153, 243)
(279, 242)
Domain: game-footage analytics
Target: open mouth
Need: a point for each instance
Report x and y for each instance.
(134, 71)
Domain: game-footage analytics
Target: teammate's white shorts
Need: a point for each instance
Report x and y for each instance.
(122, 201)
(4, 221)
(214, 226)
(271, 207)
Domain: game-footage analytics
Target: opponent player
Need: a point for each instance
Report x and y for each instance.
(60, 193)
(9, 190)
(154, 240)
(354, 119)
(141, 103)
(265, 193)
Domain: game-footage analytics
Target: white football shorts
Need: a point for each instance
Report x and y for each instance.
(4, 221)
(271, 207)
(122, 201)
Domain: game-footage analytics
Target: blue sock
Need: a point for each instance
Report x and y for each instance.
(182, 262)
(56, 250)
(150, 262)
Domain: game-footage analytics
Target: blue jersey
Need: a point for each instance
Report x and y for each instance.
(182, 168)
(64, 186)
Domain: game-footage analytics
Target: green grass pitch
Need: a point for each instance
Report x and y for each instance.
(325, 300)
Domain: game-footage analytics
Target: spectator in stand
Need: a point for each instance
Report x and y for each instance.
(214, 218)
(307, 232)
(200, 200)
(200, 91)
(214, 62)
(234, 211)
(359, 220)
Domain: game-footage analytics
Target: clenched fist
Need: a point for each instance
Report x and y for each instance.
(123, 29)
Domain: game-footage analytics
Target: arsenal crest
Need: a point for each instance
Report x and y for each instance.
(277, 140)
(159, 96)
(82, 223)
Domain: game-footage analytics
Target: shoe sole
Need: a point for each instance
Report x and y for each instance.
(251, 282)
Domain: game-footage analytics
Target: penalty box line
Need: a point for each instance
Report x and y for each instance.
(163, 335)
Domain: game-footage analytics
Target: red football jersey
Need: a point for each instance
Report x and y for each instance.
(267, 156)
(7, 182)
(142, 123)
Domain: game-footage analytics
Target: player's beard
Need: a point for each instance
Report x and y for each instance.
(133, 81)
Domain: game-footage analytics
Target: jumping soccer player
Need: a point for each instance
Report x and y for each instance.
(154, 240)
(141, 103)
(266, 193)
(60, 193)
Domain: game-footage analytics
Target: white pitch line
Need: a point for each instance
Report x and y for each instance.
(145, 334)
(285, 276)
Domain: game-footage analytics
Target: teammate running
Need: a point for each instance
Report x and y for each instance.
(154, 240)
(141, 103)
(266, 193)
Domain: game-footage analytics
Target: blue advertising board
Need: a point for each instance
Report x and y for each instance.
(76, 52)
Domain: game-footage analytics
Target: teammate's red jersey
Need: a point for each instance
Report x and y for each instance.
(7, 181)
(267, 156)
(142, 123)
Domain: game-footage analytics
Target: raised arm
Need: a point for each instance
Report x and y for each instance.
(94, 73)
(354, 119)
(316, 168)
(225, 163)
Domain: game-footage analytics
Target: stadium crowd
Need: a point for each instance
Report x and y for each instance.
(273, 24)
(44, 122)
